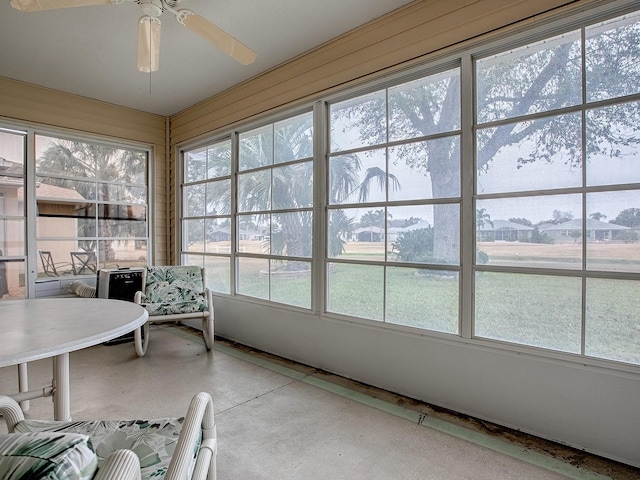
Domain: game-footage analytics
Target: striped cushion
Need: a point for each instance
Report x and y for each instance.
(47, 455)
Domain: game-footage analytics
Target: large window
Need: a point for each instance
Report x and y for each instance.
(493, 196)
(206, 212)
(558, 197)
(271, 237)
(68, 206)
(275, 211)
(393, 229)
(91, 206)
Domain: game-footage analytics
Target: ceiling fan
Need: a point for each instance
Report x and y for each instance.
(149, 27)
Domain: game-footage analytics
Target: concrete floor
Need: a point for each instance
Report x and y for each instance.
(280, 420)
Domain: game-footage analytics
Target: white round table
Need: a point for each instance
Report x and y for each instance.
(34, 329)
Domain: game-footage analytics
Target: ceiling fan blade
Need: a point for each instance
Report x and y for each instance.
(39, 5)
(148, 44)
(217, 36)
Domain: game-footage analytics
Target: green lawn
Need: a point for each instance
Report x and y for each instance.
(536, 310)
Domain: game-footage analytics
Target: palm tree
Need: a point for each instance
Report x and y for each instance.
(87, 169)
(482, 218)
(290, 187)
(373, 219)
(287, 187)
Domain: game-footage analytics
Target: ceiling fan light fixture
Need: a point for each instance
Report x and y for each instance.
(148, 44)
(153, 8)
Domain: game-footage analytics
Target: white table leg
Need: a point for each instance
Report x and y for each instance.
(61, 400)
(23, 384)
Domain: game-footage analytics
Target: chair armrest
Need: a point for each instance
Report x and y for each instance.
(137, 297)
(11, 412)
(120, 465)
(209, 297)
(198, 421)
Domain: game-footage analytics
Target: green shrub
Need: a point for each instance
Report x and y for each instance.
(482, 257)
(415, 245)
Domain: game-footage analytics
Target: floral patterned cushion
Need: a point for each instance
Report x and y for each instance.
(153, 441)
(174, 290)
(47, 456)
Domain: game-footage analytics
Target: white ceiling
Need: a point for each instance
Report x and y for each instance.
(91, 51)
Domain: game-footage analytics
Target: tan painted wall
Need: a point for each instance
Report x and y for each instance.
(41, 106)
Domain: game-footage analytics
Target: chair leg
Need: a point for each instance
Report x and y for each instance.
(207, 331)
(141, 339)
(207, 322)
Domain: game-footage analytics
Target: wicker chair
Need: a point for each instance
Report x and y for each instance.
(169, 448)
(174, 293)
